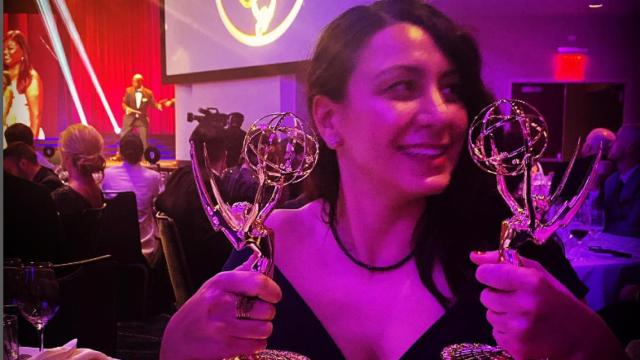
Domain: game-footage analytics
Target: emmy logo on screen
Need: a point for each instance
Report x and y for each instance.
(262, 17)
(282, 150)
(508, 138)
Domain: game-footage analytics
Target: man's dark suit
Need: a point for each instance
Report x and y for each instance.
(235, 140)
(622, 204)
(31, 227)
(132, 120)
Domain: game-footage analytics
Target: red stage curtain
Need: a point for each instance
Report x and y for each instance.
(121, 37)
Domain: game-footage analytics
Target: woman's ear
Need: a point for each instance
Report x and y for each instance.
(326, 114)
(66, 161)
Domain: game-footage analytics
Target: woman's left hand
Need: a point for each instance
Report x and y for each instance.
(534, 316)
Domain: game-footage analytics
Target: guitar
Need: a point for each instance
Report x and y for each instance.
(163, 104)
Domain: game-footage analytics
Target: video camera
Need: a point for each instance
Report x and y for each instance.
(209, 115)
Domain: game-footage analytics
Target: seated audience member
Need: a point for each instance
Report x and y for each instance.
(235, 139)
(240, 183)
(620, 196)
(583, 163)
(618, 314)
(381, 265)
(81, 150)
(31, 229)
(20, 160)
(205, 250)
(145, 183)
(596, 138)
(23, 133)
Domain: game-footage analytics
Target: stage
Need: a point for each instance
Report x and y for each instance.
(164, 143)
(162, 165)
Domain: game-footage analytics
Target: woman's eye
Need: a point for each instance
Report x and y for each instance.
(402, 90)
(451, 93)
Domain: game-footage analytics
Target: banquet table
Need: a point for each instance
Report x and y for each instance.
(603, 273)
(68, 351)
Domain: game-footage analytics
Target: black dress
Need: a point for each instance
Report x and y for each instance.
(31, 228)
(80, 225)
(297, 329)
(68, 201)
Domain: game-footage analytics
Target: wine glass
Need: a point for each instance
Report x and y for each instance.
(578, 231)
(576, 234)
(39, 299)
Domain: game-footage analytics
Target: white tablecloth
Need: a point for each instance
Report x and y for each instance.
(67, 351)
(605, 274)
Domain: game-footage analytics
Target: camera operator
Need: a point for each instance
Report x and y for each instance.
(210, 116)
(235, 139)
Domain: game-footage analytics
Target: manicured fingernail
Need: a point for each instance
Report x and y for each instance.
(478, 252)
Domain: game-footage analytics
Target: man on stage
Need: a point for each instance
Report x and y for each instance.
(135, 103)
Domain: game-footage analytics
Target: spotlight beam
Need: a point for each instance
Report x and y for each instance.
(54, 35)
(77, 41)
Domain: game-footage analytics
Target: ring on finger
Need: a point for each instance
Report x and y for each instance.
(243, 308)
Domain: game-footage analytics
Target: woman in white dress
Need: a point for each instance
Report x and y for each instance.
(25, 87)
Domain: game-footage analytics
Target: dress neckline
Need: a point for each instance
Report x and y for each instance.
(288, 289)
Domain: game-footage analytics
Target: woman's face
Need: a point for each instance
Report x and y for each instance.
(12, 53)
(402, 123)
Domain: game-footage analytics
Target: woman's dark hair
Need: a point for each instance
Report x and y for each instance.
(466, 215)
(24, 76)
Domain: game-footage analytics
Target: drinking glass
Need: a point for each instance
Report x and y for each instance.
(12, 283)
(39, 299)
(578, 231)
(11, 349)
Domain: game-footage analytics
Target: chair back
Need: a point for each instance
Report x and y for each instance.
(175, 258)
(81, 234)
(120, 237)
(119, 233)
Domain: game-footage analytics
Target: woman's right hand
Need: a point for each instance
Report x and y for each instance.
(206, 326)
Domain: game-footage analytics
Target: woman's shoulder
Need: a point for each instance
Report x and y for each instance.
(293, 226)
(35, 77)
(36, 80)
(68, 201)
(63, 192)
(62, 196)
(290, 227)
(301, 218)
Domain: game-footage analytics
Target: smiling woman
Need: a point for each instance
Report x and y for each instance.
(377, 266)
(407, 99)
(24, 96)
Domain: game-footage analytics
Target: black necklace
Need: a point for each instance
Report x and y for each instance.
(363, 265)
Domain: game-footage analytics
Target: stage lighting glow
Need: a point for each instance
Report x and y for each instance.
(77, 41)
(54, 35)
(263, 16)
